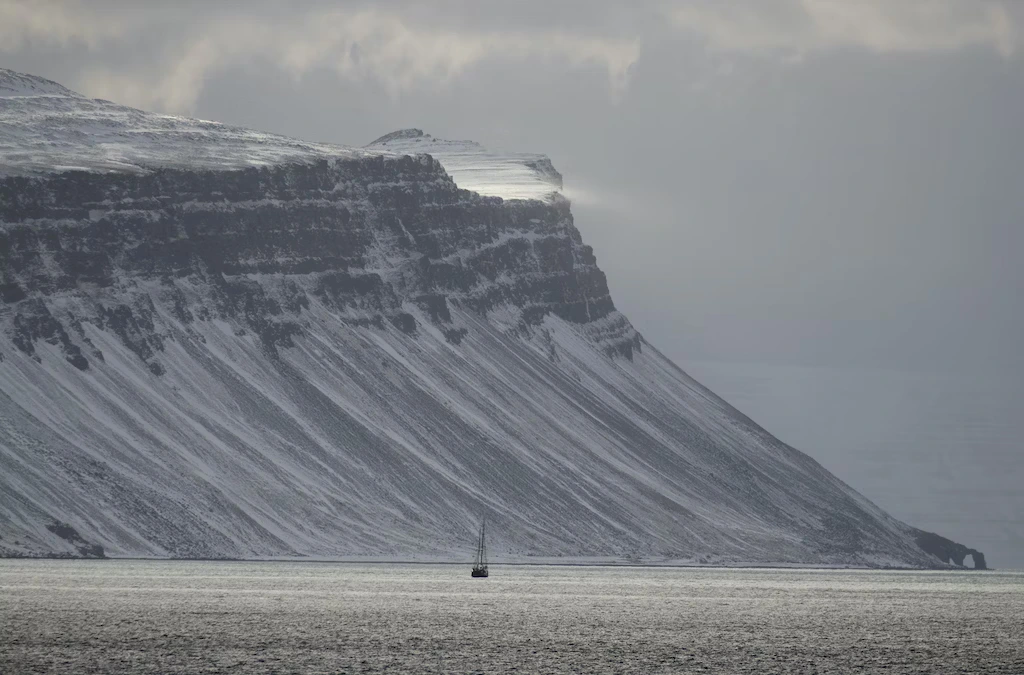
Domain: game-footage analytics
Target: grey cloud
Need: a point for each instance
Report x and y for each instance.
(404, 45)
(357, 41)
(799, 26)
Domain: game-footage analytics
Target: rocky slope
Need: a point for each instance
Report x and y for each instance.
(263, 347)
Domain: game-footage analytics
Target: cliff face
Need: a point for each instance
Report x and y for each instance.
(365, 237)
(345, 354)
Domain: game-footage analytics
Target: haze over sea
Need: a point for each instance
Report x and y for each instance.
(939, 451)
(69, 616)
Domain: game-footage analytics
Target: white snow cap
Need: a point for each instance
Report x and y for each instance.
(510, 175)
(20, 84)
(46, 127)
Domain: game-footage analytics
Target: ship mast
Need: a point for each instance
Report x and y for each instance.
(480, 562)
(480, 565)
(483, 549)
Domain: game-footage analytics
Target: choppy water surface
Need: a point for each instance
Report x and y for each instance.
(169, 617)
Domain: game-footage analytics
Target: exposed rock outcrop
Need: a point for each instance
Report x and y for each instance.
(365, 236)
(949, 551)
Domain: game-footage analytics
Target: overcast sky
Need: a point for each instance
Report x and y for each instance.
(827, 183)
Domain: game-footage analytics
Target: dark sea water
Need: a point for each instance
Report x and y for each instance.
(226, 617)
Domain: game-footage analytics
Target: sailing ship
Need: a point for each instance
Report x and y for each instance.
(480, 566)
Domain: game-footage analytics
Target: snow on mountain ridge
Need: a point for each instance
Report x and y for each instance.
(46, 127)
(13, 84)
(474, 167)
(400, 135)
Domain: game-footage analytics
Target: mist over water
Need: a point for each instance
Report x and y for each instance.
(940, 452)
(172, 616)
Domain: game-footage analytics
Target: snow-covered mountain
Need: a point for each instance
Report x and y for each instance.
(221, 343)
